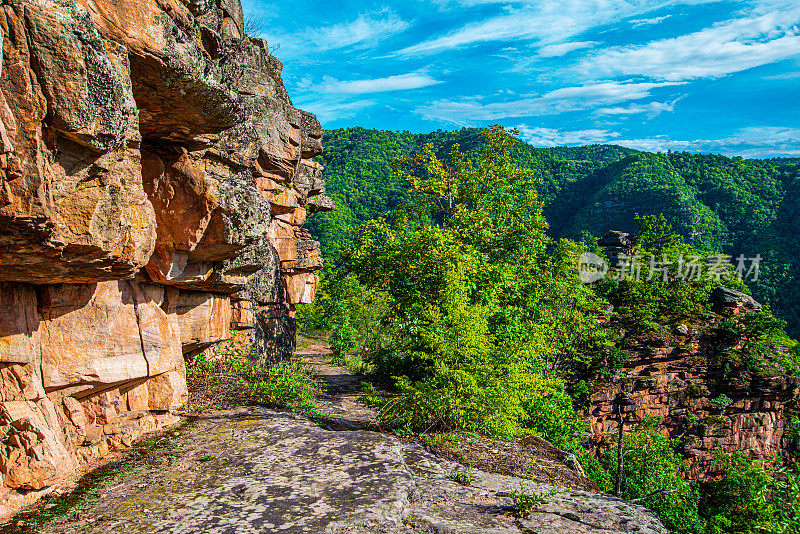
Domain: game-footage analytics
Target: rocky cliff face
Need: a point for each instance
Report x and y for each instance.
(154, 177)
(676, 380)
(669, 384)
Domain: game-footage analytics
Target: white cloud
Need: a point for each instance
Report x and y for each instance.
(566, 99)
(638, 23)
(543, 21)
(652, 109)
(725, 48)
(784, 76)
(328, 110)
(764, 140)
(751, 142)
(556, 50)
(364, 30)
(549, 137)
(378, 85)
(608, 92)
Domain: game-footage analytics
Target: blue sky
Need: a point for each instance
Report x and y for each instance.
(698, 75)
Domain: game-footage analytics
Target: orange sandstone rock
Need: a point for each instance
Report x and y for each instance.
(154, 177)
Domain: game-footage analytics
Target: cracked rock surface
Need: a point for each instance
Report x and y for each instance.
(254, 470)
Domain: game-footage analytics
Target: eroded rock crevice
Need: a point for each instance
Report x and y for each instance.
(154, 179)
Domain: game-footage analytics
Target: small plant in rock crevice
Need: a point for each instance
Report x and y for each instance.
(721, 402)
(524, 501)
(465, 479)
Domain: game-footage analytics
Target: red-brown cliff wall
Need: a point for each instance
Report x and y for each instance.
(154, 176)
(676, 378)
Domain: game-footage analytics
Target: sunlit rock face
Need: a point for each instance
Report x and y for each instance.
(154, 177)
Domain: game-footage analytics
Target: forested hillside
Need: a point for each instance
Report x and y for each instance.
(732, 205)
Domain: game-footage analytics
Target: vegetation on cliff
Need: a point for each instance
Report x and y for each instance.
(460, 300)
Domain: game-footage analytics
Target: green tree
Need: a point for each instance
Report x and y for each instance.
(478, 302)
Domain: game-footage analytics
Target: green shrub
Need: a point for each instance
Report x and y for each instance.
(233, 366)
(721, 402)
(288, 385)
(524, 501)
(751, 497)
(579, 392)
(594, 469)
(550, 413)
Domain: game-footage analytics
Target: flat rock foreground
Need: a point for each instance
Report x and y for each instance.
(250, 470)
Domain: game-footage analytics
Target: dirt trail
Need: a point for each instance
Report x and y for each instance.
(343, 391)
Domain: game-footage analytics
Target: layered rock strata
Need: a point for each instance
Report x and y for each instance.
(710, 406)
(668, 384)
(154, 177)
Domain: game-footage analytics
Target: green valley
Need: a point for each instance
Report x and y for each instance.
(734, 205)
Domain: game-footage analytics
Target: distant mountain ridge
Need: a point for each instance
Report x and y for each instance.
(734, 205)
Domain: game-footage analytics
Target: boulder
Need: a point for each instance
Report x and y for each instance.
(726, 297)
(615, 238)
(32, 455)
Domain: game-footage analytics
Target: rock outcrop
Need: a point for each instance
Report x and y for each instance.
(673, 385)
(154, 177)
(685, 381)
(252, 470)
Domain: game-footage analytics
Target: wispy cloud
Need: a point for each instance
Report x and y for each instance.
(367, 28)
(399, 82)
(545, 22)
(750, 142)
(608, 92)
(784, 76)
(725, 48)
(556, 50)
(638, 23)
(329, 110)
(549, 137)
(652, 109)
(566, 99)
(758, 141)
(753, 142)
